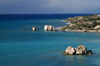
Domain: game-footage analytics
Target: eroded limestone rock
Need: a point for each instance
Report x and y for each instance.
(70, 50)
(81, 50)
(34, 29)
(49, 28)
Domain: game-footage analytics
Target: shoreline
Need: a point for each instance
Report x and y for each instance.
(59, 29)
(90, 23)
(68, 23)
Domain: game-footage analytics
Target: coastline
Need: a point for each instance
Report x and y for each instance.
(90, 23)
(68, 23)
(59, 29)
(20, 48)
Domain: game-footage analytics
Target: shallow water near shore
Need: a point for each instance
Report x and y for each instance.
(43, 48)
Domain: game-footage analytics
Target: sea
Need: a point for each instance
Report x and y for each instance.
(44, 48)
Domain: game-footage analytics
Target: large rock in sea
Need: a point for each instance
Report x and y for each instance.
(70, 50)
(81, 50)
(34, 29)
(49, 28)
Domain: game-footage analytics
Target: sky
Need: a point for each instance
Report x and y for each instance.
(49, 6)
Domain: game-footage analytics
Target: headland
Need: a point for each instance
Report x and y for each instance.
(87, 23)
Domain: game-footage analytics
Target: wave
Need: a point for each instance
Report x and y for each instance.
(64, 21)
(58, 27)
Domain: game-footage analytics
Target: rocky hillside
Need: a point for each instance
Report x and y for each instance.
(87, 22)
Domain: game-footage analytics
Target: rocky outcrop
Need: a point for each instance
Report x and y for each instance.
(81, 50)
(72, 25)
(98, 26)
(49, 28)
(90, 22)
(70, 50)
(34, 29)
(80, 18)
(89, 52)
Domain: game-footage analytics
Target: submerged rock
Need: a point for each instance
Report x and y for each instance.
(69, 62)
(64, 53)
(23, 29)
(89, 52)
(81, 50)
(55, 57)
(34, 29)
(49, 28)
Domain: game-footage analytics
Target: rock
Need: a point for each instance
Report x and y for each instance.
(69, 62)
(96, 27)
(55, 57)
(98, 21)
(98, 30)
(80, 18)
(49, 28)
(46, 27)
(23, 29)
(72, 25)
(98, 15)
(81, 50)
(64, 53)
(34, 29)
(89, 52)
(70, 50)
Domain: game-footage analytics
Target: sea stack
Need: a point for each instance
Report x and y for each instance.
(49, 28)
(34, 29)
(70, 50)
(81, 50)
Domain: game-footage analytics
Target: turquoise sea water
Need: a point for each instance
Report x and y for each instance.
(41, 48)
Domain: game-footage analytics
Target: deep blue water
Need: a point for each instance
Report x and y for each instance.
(28, 48)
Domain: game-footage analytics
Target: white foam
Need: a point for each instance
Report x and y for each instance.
(58, 27)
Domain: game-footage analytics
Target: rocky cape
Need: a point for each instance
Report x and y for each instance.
(87, 23)
(81, 50)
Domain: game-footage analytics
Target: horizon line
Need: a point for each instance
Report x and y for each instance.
(59, 13)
